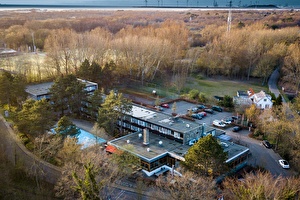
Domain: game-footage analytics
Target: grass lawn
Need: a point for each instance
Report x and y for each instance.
(210, 87)
(221, 87)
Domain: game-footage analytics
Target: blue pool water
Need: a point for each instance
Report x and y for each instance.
(87, 139)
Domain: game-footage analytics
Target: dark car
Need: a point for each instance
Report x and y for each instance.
(235, 117)
(208, 110)
(267, 144)
(201, 106)
(217, 108)
(196, 116)
(236, 128)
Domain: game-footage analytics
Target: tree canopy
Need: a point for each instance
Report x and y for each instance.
(66, 127)
(12, 89)
(67, 93)
(35, 117)
(206, 157)
(115, 106)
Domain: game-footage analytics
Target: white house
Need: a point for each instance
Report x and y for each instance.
(262, 100)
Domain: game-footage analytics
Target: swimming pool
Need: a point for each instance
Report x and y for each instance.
(87, 139)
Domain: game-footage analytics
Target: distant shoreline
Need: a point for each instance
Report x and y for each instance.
(4, 7)
(144, 7)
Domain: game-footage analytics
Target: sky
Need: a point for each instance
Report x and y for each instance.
(201, 3)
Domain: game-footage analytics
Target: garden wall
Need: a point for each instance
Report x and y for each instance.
(17, 154)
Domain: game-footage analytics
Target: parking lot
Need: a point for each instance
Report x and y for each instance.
(183, 106)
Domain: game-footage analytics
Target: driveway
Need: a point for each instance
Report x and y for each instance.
(272, 83)
(260, 155)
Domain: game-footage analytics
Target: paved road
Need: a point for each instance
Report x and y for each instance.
(273, 80)
(261, 156)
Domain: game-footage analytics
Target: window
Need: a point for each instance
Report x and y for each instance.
(141, 123)
(154, 127)
(176, 135)
(133, 120)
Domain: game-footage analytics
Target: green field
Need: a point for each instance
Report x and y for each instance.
(221, 87)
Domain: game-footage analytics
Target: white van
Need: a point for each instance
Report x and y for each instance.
(219, 123)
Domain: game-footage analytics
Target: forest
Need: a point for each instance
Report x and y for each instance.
(117, 48)
(157, 46)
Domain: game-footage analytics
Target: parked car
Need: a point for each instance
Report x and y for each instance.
(165, 105)
(196, 116)
(219, 123)
(194, 109)
(217, 108)
(284, 164)
(226, 121)
(267, 144)
(234, 117)
(201, 106)
(236, 128)
(159, 108)
(203, 114)
(208, 110)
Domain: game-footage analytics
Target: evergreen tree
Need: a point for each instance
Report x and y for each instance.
(227, 102)
(66, 127)
(278, 100)
(67, 93)
(95, 102)
(12, 89)
(206, 157)
(84, 70)
(35, 117)
(108, 75)
(113, 108)
(87, 187)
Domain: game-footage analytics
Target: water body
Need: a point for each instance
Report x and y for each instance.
(87, 139)
(149, 3)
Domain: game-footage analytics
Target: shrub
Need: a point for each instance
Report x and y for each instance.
(193, 94)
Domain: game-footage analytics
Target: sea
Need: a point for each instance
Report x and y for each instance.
(212, 4)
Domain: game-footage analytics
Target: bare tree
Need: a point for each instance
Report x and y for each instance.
(291, 66)
(261, 185)
(106, 173)
(187, 186)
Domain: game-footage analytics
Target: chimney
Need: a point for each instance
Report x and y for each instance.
(146, 136)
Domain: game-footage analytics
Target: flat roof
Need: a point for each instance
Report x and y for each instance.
(39, 89)
(158, 146)
(159, 149)
(175, 123)
(44, 88)
(234, 150)
(87, 83)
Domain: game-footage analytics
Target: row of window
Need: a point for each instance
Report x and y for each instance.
(154, 127)
(167, 160)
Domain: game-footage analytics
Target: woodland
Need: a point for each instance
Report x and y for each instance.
(152, 45)
(116, 48)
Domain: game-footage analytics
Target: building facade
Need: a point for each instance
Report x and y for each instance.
(161, 140)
